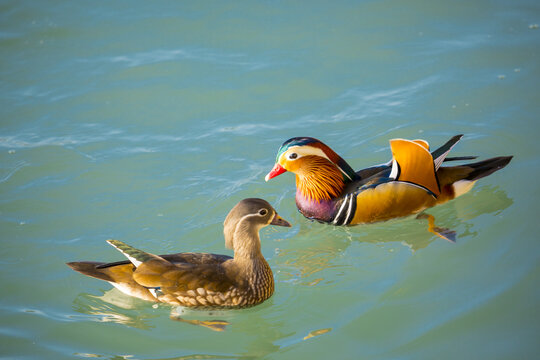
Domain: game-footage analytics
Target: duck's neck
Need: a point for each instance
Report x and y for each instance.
(319, 180)
(247, 248)
(250, 262)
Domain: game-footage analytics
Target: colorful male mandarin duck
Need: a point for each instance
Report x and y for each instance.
(330, 191)
(199, 280)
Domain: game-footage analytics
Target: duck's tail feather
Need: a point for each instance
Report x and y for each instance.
(118, 274)
(461, 178)
(460, 158)
(90, 268)
(486, 167)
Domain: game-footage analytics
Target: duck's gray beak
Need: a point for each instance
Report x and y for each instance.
(279, 221)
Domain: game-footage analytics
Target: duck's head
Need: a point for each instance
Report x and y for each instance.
(248, 217)
(311, 159)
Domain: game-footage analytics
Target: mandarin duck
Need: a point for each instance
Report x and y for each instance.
(199, 280)
(330, 191)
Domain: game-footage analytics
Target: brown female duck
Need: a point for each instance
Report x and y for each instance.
(199, 280)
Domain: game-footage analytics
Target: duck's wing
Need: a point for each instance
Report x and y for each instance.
(404, 187)
(196, 258)
(370, 172)
(188, 258)
(369, 177)
(378, 173)
(188, 284)
(413, 163)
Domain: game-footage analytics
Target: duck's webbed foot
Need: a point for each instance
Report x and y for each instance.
(444, 233)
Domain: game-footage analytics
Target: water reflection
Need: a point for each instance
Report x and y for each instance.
(260, 328)
(181, 314)
(317, 333)
(207, 356)
(113, 306)
(303, 264)
(455, 216)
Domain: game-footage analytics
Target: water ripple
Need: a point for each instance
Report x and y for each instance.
(368, 103)
(203, 55)
(33, 140)
(17, 167)
(452, 45)
(247, 129)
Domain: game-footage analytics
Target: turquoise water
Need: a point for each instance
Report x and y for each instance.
(148, 121)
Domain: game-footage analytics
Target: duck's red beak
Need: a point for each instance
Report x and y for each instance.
(277, 170)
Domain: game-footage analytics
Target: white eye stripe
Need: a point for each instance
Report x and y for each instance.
(304, 151)
(311, 150)
(244, 218)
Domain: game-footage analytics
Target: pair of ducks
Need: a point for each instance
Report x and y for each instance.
(328, 190)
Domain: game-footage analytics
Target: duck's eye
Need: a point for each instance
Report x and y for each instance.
(263, 212)
(293, 156)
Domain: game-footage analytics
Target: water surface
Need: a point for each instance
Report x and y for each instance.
(148, 121)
